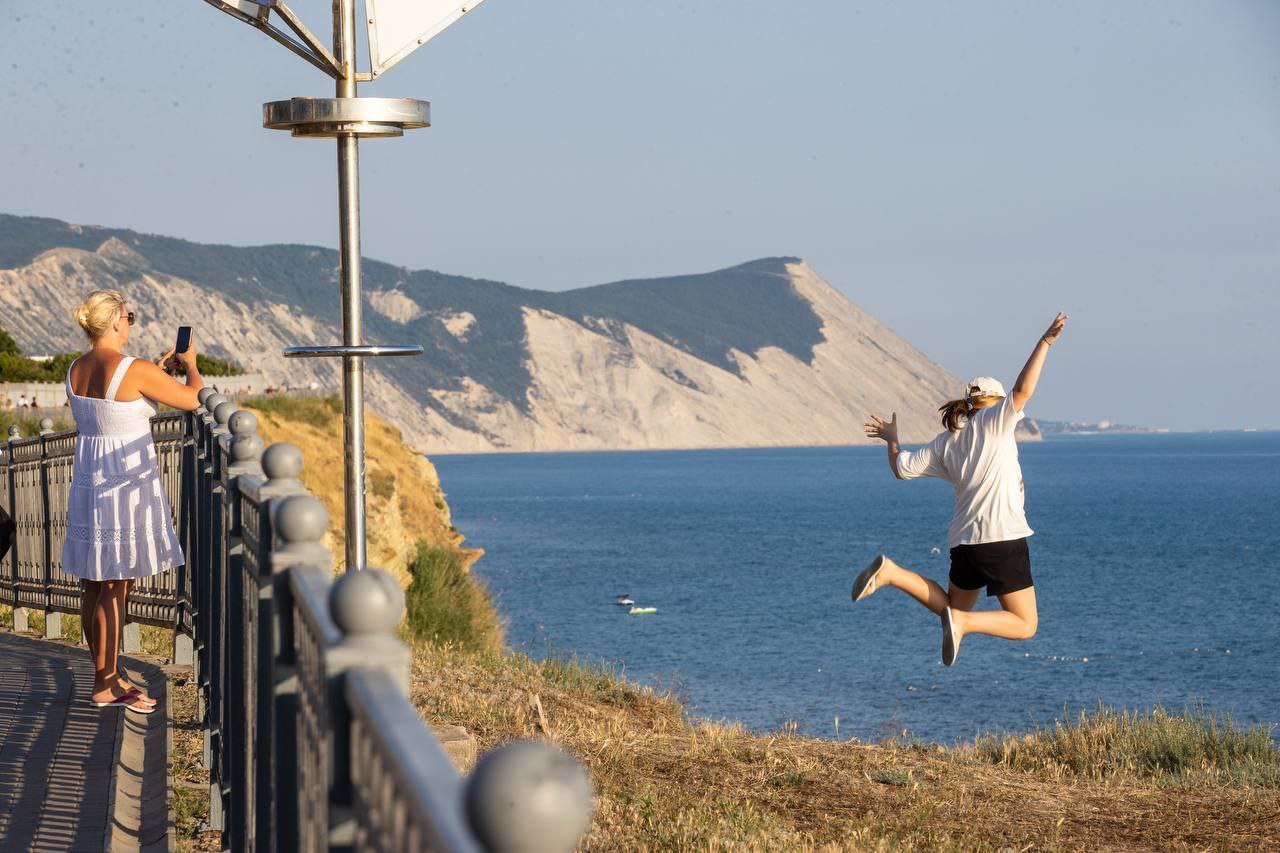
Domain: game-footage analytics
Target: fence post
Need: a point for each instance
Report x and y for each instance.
(281, 466)
(215, 633)
(20, 614)
(244, 446)
(52, 618)
(298, 523)
(366, 606)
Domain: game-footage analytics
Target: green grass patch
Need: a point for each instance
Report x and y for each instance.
(315, 411)
(1192, 748)
(29, 425)
(448, 606)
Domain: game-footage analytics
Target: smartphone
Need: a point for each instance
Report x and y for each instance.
(184, 339)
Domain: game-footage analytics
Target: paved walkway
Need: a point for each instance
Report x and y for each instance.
(74, 777)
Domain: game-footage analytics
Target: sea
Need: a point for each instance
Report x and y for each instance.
(1156, 560)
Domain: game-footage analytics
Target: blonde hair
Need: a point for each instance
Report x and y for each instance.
(98, 311)
(955, 412)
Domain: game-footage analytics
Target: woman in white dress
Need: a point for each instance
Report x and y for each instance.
(119, 522)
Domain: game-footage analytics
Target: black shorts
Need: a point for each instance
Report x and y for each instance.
(1002, 567)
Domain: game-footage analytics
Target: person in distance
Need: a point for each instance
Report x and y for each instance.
(988, 533)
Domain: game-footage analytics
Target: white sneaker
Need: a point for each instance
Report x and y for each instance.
(950, 639)
(868, 579)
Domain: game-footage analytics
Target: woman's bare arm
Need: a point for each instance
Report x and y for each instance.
(1030, 375)
(878, 427)
(155, 383)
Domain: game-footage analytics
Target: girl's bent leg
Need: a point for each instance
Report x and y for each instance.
(918, 587)
(1016, 621)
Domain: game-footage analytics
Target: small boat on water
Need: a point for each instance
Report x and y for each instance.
(624, 600)
(641, 611)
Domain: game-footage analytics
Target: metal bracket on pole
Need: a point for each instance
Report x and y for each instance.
(358, 349)
(258, 15)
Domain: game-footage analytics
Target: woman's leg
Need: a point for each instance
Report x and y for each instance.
(88, 603)
(918, 587)
(1015, 621)
(120, 676)
(106, 647)
(962, 599)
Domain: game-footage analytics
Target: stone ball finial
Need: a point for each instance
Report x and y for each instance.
(223, 412)
(14, 432)
(204, 394)
(46, 424)
(242, 422)
(212, 402)
(300, 518)
(529, 796)
(282, 461)
(366, 602)
(245, 447)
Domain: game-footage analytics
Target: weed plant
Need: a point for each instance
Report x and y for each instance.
(1195, 747)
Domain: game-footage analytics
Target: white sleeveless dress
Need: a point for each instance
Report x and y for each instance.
(119, 523)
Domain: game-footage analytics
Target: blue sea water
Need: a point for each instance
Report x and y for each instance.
(1156, 561)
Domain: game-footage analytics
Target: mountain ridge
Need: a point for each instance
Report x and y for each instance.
(763, 353)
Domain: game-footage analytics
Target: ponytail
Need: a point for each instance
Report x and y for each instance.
(955, 412)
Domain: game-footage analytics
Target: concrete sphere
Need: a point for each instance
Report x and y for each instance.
(366, 601)
(46, 424)
(300, 518)
(529, 796)
(282, 461)
(213, 401)
(245, 447)
(204, 394)
(224, 411)
(14, 432)
(242, 421)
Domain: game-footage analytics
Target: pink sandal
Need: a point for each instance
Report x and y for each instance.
(130, 701)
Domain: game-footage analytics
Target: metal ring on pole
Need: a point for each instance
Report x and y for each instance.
(357, 349)
(360, 117)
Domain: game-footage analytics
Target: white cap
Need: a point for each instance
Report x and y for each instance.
(984, 386)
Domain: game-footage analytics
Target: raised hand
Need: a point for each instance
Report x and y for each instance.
(1055, 328)
(878, 427)
(166, 362)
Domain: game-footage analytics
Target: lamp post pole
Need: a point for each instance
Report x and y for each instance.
(344, 48)
(396, 29)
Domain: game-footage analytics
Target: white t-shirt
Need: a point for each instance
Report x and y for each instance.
(981, 463)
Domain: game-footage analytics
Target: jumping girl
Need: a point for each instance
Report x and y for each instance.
(988, 533)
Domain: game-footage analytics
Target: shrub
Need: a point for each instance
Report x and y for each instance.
(447, 605)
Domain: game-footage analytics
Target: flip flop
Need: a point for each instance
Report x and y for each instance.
(866, 581)
(125, 702)
(950, 642)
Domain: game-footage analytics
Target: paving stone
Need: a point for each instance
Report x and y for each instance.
(61, 787)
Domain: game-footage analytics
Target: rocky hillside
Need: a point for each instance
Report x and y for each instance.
(766, 353)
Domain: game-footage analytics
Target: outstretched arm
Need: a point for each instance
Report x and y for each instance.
(878, 427)
(1030, 375)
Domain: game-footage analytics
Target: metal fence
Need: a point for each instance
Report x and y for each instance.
(310, 738)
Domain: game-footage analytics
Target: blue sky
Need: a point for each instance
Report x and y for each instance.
(961, 171)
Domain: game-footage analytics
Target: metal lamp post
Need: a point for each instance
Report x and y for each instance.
(396, 28)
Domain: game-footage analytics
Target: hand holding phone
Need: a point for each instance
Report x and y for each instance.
(183, 353)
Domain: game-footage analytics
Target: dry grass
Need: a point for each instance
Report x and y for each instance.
(667, 782)
(190, 776)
